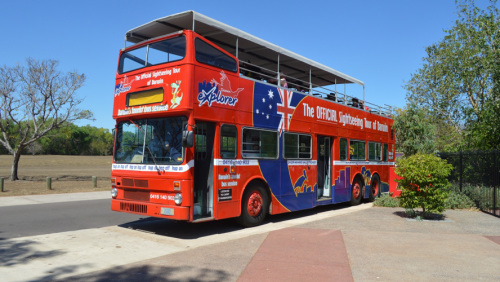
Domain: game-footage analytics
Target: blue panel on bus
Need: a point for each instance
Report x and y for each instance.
(342, 186)
(294, 193)
(266, 99)
(273, 107)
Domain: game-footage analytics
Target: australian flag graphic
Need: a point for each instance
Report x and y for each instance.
(273, 107)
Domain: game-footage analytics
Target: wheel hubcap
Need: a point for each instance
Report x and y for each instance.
(254, 205)
(356, 190)
(374, 188)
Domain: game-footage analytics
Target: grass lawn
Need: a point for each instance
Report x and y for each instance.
(69, 174)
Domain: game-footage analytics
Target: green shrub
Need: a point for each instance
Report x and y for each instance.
(386, 201)
(459, 201)
(480, 194)
(424, 182)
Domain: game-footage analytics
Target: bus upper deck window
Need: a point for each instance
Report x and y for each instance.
(165, 51)
(207, 54)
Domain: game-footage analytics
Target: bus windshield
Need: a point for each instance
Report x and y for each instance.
(169, 50)
(150, 141)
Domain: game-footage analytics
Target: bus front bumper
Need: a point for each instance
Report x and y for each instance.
(151, 209)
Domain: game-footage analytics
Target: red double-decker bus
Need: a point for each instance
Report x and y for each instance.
(214, 123)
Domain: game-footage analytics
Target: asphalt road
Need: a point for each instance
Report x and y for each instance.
(29, 220)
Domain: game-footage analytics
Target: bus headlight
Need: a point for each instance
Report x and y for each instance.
(178, 199)
(114, 192)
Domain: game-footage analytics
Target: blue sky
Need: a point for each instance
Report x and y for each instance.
(379, 42)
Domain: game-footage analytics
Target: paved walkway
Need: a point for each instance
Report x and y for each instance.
(329, 244)
(374, 244)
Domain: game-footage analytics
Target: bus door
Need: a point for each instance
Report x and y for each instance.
(203, 169)
(324, 167)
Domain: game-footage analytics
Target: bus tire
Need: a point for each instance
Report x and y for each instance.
(356, 191)
(374, 188)
(254, 206)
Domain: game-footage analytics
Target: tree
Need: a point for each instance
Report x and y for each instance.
(414, 130)
(36, 99)
(102, 141)
(457, 80)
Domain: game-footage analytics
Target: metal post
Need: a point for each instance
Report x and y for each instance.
(345, 94)
(278, 73)
(460, 171)
(194, 15)
(94, 181)
(49, 183)
(364, 101)
(1, 184)
(495, 183)
(237, 49)
(310, 82)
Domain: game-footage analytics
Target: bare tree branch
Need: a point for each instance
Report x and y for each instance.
(36, 99)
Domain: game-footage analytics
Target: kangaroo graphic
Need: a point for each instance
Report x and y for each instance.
(300, 184)
(176, 100)
(225, 85)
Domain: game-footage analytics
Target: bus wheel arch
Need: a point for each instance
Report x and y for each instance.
(357, 188)
(255, 203)
(374, 187)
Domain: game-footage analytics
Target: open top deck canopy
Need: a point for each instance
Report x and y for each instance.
(244, 46)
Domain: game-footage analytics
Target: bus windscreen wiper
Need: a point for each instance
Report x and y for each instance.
(154, 159)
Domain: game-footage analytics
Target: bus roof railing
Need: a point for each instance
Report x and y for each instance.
(269, 76)
(303, 74)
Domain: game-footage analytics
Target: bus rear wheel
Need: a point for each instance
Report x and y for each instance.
(254, 206)
(374, 188)
(357, 187)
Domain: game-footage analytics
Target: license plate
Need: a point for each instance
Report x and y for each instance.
(167, 211)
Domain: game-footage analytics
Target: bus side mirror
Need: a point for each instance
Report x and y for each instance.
(187, 138)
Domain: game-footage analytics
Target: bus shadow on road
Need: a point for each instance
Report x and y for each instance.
(190, 231)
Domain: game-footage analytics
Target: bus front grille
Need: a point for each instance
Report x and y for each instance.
(136, 195)
(134, 208)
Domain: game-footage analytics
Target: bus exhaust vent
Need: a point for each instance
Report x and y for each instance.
(129, 207)
(129, 182)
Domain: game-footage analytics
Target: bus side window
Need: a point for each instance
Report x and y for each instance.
(207, 54)
(343, 149)
(357, 150)
(228, 141)
(385, 152)
(297, 146)
(374, 151)
(259, 143)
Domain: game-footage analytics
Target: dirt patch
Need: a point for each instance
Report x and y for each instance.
(69, 174)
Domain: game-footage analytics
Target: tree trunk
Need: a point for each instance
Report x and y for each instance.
(15, 165)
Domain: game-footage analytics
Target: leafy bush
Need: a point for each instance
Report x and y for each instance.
(459, 201)
(423, 182)
(386, 201)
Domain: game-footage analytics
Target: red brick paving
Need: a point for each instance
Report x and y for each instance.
(495, 239)
(300, 254)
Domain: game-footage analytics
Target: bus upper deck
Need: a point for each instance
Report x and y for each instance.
(261, 60)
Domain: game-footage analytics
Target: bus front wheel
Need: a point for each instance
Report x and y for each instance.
(254, 206)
